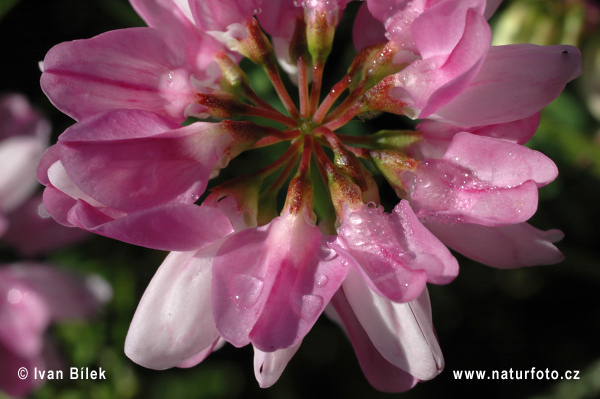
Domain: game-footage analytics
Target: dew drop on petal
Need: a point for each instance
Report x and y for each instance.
(245, 290)
(322, 280)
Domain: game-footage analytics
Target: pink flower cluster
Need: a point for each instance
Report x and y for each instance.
(243, 270)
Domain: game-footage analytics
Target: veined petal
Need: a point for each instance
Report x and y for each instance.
(504, 247)
(174, 320)
(141, 68)
(383, 375)
(132, 173)
(514, 82)
(268, 366)
(401, 332)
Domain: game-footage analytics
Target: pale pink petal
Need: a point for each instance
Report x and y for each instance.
(132, 173)
(499, 162)
(170, 227)
(32, 230)
(66, 295)
(203, 354)
(394, 252)
(514, 82)
(438, 135)
(268, 366)
(402, 332)
(174, 320)
(140, 68)
(367, 30)
(505, 247)
(19, 156)
(382, 375)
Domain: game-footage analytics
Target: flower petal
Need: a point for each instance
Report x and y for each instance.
(139, 68)
(499, 162)
(174, 320)
(514, 82)
(170, 227)
(121, 169)
(401, 332)
(268, 366)
(504, 247)
(383, 375)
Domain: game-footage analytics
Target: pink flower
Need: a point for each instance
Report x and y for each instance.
(247, 271)
(33, 296)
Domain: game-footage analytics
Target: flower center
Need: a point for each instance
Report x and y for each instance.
(311, 125)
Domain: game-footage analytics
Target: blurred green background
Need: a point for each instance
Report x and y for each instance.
(487, 319)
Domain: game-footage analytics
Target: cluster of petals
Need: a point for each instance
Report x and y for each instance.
(34, 296)
(128, 169)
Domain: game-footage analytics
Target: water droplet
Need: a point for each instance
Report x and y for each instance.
(245, 290)
(322, 280)
(257, 11)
